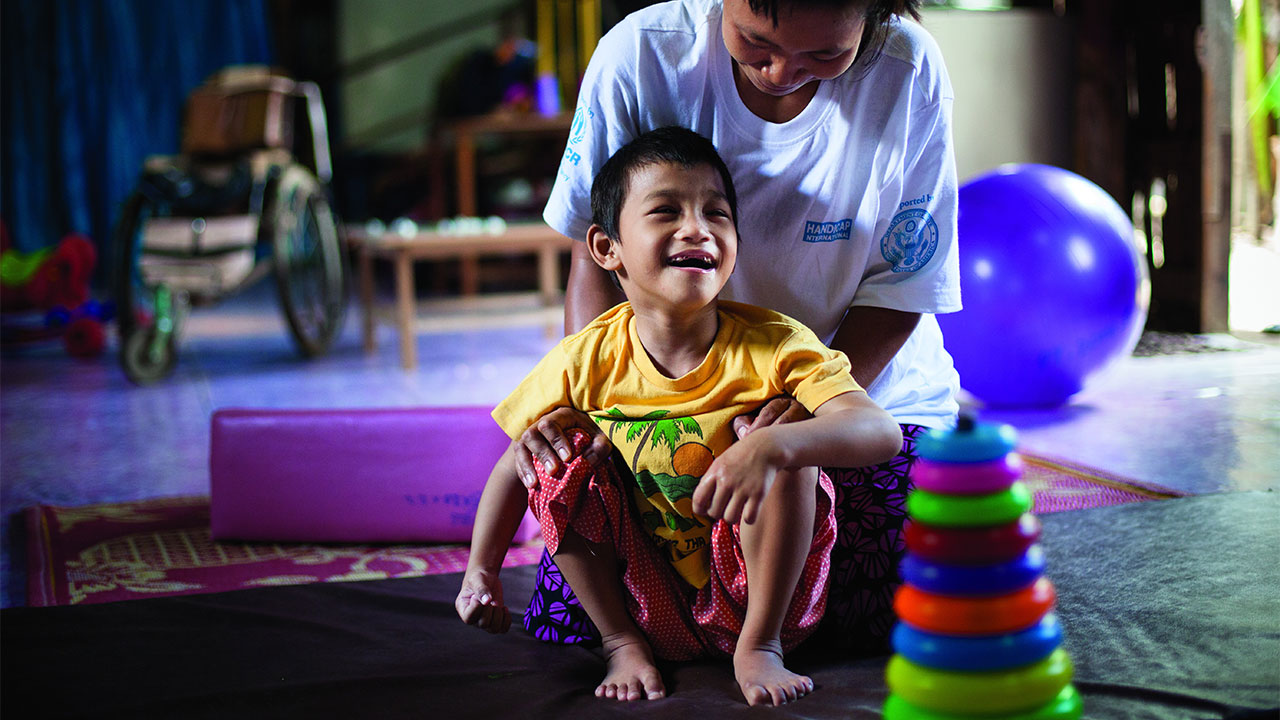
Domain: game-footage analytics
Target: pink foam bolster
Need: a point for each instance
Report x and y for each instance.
(967, 478)
(367, 475)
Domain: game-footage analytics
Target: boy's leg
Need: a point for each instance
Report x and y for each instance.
(593, 569)
(775, 549)
(639, 608)
(871, 509)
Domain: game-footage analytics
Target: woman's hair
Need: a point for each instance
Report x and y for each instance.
(674, 145)
(877, 14)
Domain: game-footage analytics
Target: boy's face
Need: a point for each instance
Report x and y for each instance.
(678, 243)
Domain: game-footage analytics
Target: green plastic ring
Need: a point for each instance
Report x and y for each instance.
(1066, 706)
(975, 693)
(969, 510)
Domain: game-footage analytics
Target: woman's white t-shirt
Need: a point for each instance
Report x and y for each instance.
(851, 203)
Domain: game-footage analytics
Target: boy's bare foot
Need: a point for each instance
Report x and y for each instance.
(632, 674)
(763, 678)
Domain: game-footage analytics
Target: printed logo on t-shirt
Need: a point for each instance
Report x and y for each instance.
(578, 129)
(823, 232)
(911, 240)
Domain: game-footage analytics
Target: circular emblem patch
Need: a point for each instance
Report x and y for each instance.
(911, 240)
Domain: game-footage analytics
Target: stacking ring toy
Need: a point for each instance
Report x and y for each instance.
(967, 478)
(970, 510)
(1066, 706)
(975, 615)
(968, 443)
(981, 652)
(973, 546)
(974, 579)
(1018, 690)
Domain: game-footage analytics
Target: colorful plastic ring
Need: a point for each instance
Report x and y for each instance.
(967, 478)
(973, 546)
(1019, 690)
(998, 579)
(979, 443)
(1066, 706)
(978, 653)
(975, 615)
(969, 510)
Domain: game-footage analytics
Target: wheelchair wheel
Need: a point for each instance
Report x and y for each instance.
(310, 268)
(148, 316)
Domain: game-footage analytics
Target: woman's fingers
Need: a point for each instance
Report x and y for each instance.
(536, 443)
(548, 441)
(524, 465)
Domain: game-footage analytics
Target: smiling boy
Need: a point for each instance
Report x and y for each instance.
(659, 544)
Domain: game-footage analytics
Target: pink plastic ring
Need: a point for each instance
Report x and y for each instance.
(967, 478)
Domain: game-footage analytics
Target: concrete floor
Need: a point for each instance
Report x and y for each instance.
(75, 432)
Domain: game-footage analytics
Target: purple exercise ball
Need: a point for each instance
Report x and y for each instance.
(1054, 288)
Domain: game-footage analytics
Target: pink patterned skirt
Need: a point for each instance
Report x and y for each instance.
(680, 621)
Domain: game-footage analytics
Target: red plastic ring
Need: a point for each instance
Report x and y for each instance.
(973, 546)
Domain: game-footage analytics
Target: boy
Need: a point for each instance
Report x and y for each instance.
(659, 549)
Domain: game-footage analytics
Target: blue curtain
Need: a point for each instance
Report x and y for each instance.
(92, 87)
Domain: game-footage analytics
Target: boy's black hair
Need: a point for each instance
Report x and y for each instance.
(671, 144)
(877, 14)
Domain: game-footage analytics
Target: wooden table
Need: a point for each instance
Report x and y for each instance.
(403, 252)
(529, 126)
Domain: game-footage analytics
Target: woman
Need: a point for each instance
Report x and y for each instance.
(834, 117)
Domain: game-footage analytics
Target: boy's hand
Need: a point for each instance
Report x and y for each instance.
(479, 602)
(779, 410)
(548, 441)
(737, 482)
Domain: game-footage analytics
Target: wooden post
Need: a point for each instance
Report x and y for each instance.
(405, 310)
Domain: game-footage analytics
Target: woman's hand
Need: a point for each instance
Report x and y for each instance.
(780, 410)
(547, 439)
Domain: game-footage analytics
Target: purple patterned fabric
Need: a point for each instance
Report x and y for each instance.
(871, 509)
(870, 514)
(554, 614)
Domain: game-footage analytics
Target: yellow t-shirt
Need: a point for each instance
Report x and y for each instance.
(670, 429)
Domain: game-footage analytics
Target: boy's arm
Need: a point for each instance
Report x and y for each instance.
(849, 430)
(502, 507)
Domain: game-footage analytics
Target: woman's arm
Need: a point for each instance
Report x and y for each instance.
(590, 290)
(870, 337)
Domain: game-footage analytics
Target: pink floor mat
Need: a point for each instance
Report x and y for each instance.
(153, 548)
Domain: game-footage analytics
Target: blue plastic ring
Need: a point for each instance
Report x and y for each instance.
(981, 443)
(978, 653)
(998, 579)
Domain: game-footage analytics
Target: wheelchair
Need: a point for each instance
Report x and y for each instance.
(246, 198)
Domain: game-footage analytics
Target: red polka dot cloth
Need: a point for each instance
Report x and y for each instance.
(680, 621)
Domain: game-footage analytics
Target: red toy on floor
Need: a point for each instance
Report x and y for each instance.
(54, 281)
